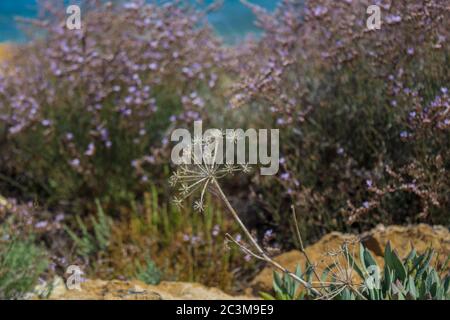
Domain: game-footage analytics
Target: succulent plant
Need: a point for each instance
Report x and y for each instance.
(413, 278)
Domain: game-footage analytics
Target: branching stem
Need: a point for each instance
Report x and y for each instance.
(261, 253)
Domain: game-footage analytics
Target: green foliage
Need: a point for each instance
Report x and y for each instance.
(286, 288)
(149, 273)
(414, 278)
(186, 245)
(89, 243)
(21, 264)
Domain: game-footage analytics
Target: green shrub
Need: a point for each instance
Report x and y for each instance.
(21, 264)
(89, 243)
(149, 272)
(186, 245)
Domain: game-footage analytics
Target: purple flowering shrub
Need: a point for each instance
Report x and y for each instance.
(354, 107)
(86, 113)
(30, 222)
(426, 177)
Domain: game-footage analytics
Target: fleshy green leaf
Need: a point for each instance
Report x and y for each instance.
(266, 296)
(394, 263)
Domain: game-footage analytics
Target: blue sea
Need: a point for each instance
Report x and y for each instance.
(232, 21)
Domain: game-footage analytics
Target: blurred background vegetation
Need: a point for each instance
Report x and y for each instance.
(85, 119)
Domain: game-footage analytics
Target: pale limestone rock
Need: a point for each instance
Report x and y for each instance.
(402, 239)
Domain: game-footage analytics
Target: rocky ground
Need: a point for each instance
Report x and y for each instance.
(137, 290)
(402, 239)
(4, 51)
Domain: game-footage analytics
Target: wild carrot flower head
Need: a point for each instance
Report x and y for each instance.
(201, 167)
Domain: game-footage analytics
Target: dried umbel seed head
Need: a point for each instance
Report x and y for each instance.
(200, 170)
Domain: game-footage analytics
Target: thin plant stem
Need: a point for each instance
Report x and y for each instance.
(255, 244)
(302, 248)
